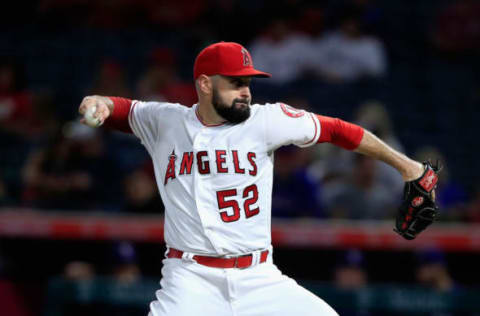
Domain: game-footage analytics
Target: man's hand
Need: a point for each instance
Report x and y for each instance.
(418, 209)
(103, 108)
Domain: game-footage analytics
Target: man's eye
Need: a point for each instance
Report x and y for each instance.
(240, 83)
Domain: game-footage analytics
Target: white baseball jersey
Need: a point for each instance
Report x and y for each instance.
(216, 181)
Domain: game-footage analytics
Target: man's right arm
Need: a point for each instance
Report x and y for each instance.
(112, 111)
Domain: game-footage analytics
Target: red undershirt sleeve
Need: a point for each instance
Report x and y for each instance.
(118, 120)
(339, 132)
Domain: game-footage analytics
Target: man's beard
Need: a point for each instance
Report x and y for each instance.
(232, 113)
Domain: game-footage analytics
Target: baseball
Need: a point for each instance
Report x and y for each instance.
(90, 119)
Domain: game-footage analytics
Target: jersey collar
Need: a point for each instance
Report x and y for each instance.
(202, 122)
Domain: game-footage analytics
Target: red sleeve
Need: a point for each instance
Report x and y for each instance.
(118, 120)
(340, 133)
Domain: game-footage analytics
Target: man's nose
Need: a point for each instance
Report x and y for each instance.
(245, 92)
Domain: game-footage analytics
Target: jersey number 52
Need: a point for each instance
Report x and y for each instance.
(251, 195)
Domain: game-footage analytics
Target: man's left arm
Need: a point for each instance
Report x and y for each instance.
(418, 209)
(353, 137)
(374, 147)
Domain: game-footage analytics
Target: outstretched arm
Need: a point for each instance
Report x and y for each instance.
(418, 209)
(374, 147)
(354, 137)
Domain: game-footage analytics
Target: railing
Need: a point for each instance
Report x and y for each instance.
(375, 235)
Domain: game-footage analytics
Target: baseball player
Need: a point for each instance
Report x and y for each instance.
(214, 170)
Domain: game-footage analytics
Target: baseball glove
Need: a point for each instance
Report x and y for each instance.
(418, 209)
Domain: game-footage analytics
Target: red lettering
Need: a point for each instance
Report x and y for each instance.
(251, 195)
(170, 173)
(203, 166)
(236, 162)
(222, 203)
(220, 154)
(187, 162)
(248, 202)
(250, 157)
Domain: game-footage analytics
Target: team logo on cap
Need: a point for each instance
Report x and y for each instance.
(247, 61)
(291, 111)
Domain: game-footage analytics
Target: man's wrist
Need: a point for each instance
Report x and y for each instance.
(119, 111)
(108, 101)
(414, 171)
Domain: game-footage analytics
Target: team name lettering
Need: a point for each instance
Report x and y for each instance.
(236, 163)
(187, 162)
(222, 163)
(251, 158)
(170, 174)
(203, 166)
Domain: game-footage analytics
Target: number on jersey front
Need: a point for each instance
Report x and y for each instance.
(227, 199)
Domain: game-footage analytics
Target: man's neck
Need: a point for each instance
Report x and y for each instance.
(208, 115)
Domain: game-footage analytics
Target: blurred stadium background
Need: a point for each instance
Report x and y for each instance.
(80, 216)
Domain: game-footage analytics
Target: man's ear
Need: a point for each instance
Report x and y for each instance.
(205, 84)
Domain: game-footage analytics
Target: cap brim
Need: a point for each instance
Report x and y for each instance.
(248, 72)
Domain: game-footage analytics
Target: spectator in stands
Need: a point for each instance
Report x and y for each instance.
(72, 172)
(359, 196)
(141, 195)
(294, 190)
(374, 116)
(45, 120)
(335, 167)
(70, 295)
(25, 118)
(116, 14)
(281, 51)
(110, 79)
(311, 20)
(347, 54)
(457, 28)
(125, 288)
(79, 271)
(370, 12)
(175, 14)
(26, 115)
(161, 82)
(450, 195)
(350, 275)
(20, 131)
(16, 109)
(473, 208)
(125, 268)
(432, 271)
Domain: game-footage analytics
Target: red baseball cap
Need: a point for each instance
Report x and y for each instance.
(227, 59)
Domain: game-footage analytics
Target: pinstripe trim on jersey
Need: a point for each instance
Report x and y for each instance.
(316, 135)
(130, 121)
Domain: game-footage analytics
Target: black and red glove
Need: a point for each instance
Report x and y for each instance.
(418, 209)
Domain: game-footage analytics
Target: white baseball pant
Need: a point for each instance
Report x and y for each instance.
(188, 288)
